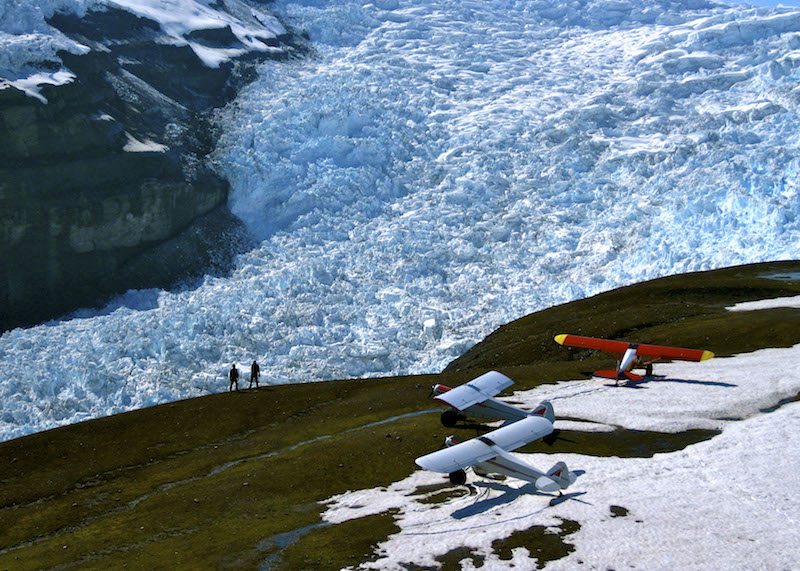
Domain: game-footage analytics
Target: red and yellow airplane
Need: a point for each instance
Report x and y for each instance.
(632, 355)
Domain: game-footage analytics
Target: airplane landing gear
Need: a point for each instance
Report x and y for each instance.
(449, 418)
(459, 477)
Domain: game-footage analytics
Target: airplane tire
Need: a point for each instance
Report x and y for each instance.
(648, 370)
(459, 477)
(449, 418)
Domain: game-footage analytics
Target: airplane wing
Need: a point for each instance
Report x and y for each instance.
(486, 447)
(476, 391)
(659, 352)
(642, 350)
(605, 345)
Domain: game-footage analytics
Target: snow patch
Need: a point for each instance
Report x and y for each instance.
(28, 40)
(715, 482)
(33, 84)
(778, 302)
(147, 146)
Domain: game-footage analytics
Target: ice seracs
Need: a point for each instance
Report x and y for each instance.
(468, 163)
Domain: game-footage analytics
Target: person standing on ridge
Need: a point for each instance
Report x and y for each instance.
(255, 372)
(233, 376)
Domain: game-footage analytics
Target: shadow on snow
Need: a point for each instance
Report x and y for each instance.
(662, 379)
(509, 495)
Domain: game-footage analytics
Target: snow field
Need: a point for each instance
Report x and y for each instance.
(726, 502)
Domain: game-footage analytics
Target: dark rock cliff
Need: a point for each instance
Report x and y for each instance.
(105, 187)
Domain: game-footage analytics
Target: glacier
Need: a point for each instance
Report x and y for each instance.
(436, 170)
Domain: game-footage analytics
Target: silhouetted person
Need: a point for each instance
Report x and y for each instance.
(255, 372)
(233, 376)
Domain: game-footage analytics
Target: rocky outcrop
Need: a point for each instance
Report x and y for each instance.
(104, 187)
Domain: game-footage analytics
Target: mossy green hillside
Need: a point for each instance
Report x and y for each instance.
(236, 479)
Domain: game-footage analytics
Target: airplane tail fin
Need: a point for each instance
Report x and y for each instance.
(558, 478)
(545, 409)
(438, 389)
(451, 441)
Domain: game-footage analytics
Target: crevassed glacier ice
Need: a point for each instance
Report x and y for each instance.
(439, 169)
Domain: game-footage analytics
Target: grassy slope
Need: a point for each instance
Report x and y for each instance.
(233, 480)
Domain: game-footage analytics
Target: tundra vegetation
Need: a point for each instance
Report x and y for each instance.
(237, 479)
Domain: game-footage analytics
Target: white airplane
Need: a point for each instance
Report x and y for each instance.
(490, 454)
(475, 399)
